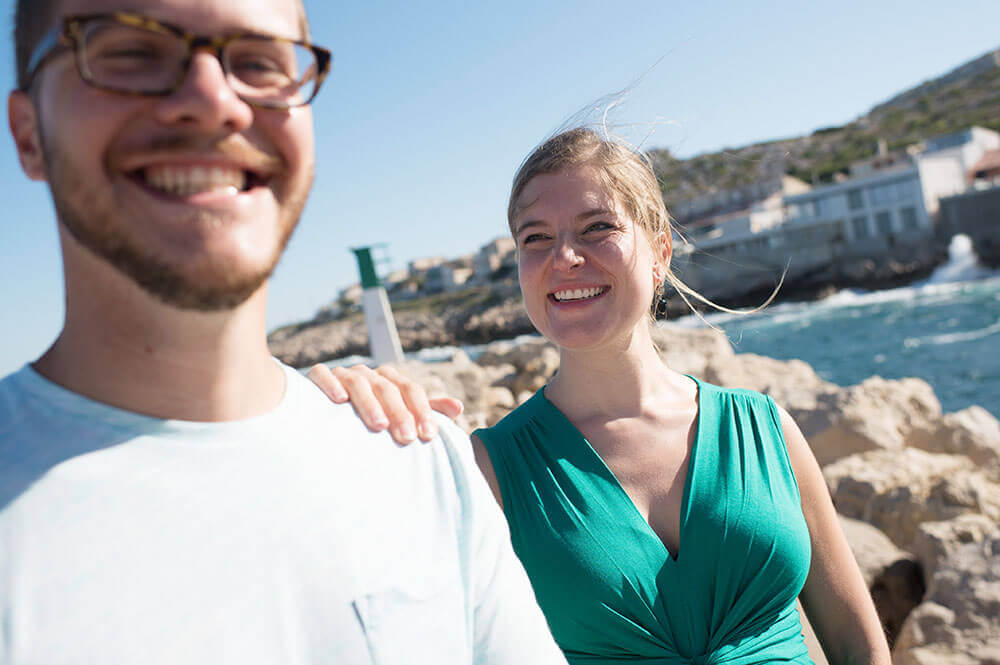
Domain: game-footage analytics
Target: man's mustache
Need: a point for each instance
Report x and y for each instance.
(230, 148)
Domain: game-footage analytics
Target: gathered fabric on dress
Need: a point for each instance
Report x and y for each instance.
(610, 590)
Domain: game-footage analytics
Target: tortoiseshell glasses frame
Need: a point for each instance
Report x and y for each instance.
(132, 54)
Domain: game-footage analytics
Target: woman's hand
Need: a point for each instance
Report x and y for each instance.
(385, 399)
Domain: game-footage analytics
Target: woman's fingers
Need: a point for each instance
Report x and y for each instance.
(384, 398)
(448, 406)
(328, 383)
(414, 399)
(378, 401)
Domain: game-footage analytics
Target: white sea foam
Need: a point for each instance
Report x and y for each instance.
(961, 272)
(963, 264)
(952, 338)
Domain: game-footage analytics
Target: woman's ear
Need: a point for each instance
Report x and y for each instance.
(23, 120)
(662, 251)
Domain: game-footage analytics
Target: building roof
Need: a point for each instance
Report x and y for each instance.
(990, 161)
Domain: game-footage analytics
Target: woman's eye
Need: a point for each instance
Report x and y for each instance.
(532, 237)
(598, 226)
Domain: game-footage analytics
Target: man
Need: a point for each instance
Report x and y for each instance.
(169, 493)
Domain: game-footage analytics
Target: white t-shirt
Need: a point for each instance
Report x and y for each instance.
(290, 538)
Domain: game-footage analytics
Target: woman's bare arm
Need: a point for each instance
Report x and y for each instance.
(835, 597)
(486, 467)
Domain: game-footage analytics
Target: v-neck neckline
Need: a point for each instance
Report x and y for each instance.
(688, 484)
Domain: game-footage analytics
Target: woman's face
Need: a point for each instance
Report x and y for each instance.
(587, 271)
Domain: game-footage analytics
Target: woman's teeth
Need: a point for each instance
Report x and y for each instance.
(185, 181)
(578, 294)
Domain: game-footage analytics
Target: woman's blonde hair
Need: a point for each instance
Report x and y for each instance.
(627, 173)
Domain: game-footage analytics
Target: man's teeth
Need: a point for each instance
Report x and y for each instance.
(184, 181)
(578, 294)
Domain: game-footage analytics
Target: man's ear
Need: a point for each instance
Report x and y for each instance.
(23, 121)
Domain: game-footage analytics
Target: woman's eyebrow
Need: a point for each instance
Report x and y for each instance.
(527, 224)
(594, 212)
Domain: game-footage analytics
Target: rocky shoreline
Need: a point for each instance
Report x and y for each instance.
(498, 314)
(918, 490)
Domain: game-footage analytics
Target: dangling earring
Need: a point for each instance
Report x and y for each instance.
(660, 306)
(658, 292)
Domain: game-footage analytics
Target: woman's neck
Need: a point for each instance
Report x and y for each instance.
(623, 380)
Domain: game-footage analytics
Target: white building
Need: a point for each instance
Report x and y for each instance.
(885, 209)
(454, 278)
(493, 255)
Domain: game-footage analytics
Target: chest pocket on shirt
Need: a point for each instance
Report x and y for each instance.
(421, 619)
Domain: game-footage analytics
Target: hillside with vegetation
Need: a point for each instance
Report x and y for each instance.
(968, 95)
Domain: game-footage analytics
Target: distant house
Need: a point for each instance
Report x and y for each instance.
(886, 208)
(350, 295)
(417, 266)
(986, 171)
(454, 278)
(492, 256)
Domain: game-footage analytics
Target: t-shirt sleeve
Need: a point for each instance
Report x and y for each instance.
(508, 625)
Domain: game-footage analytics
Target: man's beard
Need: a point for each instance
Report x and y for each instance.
(89, 216)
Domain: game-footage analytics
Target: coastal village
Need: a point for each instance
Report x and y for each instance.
(890, 217)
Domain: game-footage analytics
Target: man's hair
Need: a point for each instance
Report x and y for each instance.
(33, 17)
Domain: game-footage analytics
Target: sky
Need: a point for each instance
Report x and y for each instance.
(433, 104)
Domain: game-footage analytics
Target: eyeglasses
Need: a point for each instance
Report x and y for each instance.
(131, 54)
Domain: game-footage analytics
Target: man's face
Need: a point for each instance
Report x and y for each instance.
(192, 195)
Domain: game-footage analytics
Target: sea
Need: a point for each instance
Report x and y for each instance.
(944, 330)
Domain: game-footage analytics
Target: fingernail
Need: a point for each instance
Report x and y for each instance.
(380, 424)
(405, 433)
(427, 430)
(339, 396)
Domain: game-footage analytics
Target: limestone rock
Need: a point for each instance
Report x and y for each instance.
(515, 352)
(898, 490)
(893, 576)
(499, 321)
(690, 351)
(457, 378)
(872, 549)
(959, 622)
(791, 383)
(876, 414)
(936, 541)
(972, 432)
(534, 361)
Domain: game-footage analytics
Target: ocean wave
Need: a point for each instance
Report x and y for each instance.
(952, 338)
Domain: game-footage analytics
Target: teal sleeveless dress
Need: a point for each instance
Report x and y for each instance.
(610, 590)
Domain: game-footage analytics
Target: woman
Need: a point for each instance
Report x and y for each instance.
(659, 518)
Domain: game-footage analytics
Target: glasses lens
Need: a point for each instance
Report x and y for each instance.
(129, 58)
(271, 71)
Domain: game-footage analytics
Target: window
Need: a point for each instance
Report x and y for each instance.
(855, 200)
(883, 222)
(881, 195)
(860, 227)
(907, 189)
(908, 217)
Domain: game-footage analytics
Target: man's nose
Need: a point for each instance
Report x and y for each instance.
(205, 99)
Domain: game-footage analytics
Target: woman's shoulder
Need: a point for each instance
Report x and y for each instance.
(521, 417)
(726, 397)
